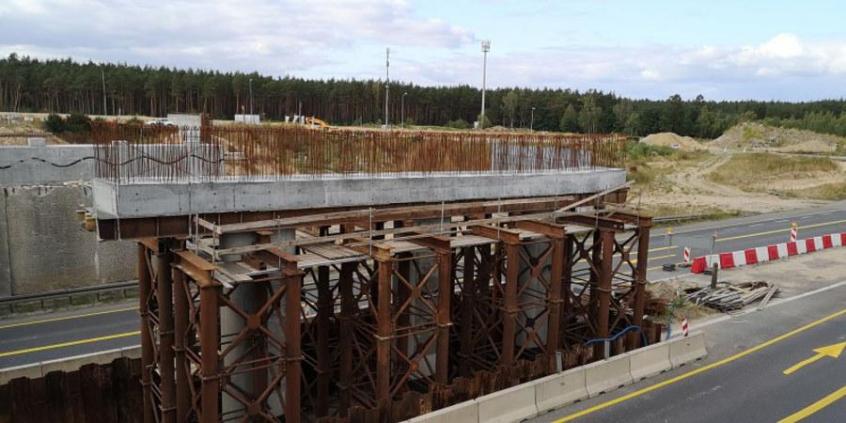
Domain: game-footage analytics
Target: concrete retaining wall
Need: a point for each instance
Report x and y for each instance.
(539, 396)
(43, 246)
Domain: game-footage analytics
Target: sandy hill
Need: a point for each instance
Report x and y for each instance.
(757, 136)
(669, 139)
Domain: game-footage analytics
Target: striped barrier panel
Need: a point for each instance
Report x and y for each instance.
(757, 255)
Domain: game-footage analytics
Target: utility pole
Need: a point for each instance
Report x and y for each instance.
(486, 47)
(103, 77)
(402, 109)
(387, 82)
(251, 98)
(532, 121)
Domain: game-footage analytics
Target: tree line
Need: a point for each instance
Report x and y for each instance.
(33, 85)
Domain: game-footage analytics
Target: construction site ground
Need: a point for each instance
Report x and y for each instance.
(794, 277)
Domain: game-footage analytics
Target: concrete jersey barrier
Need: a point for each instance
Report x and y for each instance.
(650, 361)
(687, 349)
(539, 396)
(509, 405)
(756, 255)
(556, 390)
(608, 375)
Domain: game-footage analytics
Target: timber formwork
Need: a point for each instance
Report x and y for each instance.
(385, 317)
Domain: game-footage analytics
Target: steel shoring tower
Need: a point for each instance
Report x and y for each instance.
(364, 327)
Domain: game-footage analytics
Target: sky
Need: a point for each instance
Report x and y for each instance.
(724, 50)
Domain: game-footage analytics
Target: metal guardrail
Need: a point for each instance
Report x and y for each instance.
(34, 302)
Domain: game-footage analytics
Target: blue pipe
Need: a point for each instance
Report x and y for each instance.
(613, 338)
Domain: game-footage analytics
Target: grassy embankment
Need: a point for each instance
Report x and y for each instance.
(773, 173)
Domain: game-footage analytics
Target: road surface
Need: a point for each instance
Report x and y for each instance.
(783, 364)
(79, 332)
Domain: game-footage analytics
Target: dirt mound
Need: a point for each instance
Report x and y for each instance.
(669, 139)
(756, 136)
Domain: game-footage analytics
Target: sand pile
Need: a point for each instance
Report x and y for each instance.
(669, 139)
(756, 136)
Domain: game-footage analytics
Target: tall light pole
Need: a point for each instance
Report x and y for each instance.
(402, 109)
(387, 82)
(486, 47)
(532, 121)
(251, 98)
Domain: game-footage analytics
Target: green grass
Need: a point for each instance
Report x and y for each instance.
(829, 192)
(748, 170)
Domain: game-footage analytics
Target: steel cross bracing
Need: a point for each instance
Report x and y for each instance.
(386, 327)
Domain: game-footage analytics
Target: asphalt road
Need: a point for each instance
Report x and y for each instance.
(743, 379)
(84, 331)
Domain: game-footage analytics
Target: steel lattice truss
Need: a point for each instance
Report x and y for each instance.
(389, 327)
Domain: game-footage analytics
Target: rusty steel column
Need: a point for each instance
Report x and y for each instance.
(345, 335)
(604, 287)
(209, 345)
(164, 291)
(180, 300)
(468, 306)
(324, 312)
(384, 332)
(510, 309)
(444, 295)
(403, 292)
(567, 279)
(293, 280)
(634, 340)
(145, 289)
(554, 300)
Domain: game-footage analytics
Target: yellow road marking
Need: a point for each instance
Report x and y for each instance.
(778, 231)
(69, 344)
(671, 247)
(831, 351)
(802, 364)
(817, 406)
(634, 261)
(700, 370)
(58, 319)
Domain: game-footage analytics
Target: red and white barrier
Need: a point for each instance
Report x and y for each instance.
(686, 255)
(757, 255)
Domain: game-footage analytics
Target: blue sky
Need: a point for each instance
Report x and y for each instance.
(787, 50)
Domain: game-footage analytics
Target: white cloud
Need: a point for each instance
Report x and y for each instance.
(344, 38)
(267, 35)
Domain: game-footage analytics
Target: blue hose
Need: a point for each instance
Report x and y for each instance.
(625, 330)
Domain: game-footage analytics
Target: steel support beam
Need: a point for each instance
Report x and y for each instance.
(164, 284)
(209, 345)
(634, 340)
(444, 258)
(383, 336)
(606, 246)
(145, 291)
(183, 374)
